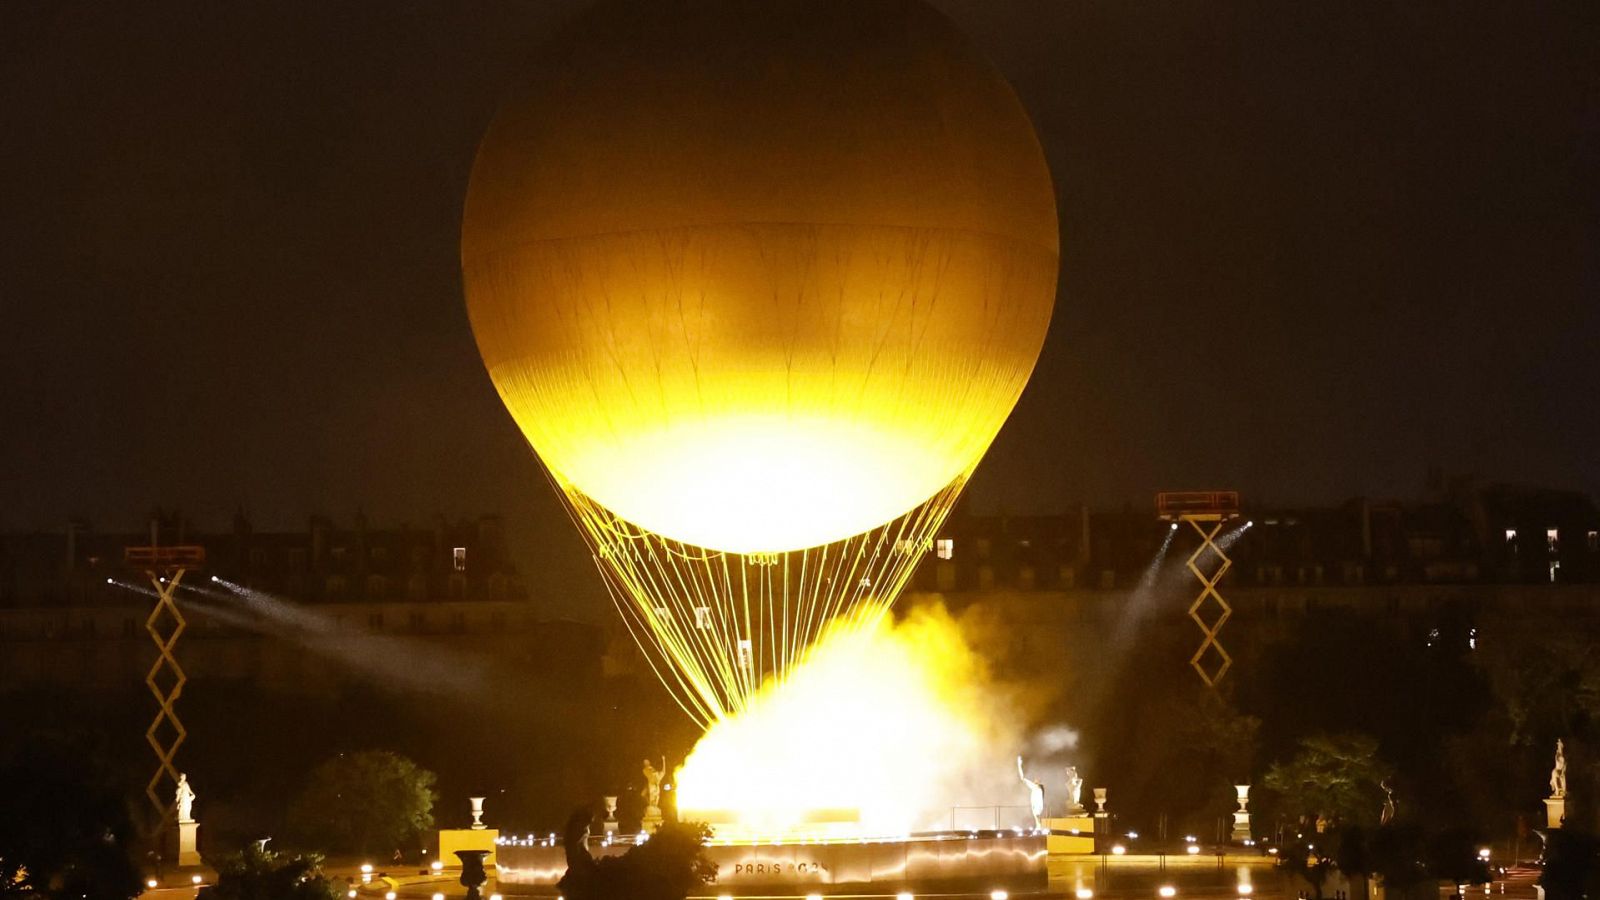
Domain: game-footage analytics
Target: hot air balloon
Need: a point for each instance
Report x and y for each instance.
(759, 282)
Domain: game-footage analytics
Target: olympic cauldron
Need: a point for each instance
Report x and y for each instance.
(976, 862)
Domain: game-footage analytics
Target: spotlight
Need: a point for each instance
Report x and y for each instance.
(216, 580)
(111, 581)
(366, 868)
(905, 895)
(1484, 853)
(1118, 849)
(1194, 850)
(998, 894)
(438, 865)
(150, 883)
(194, 879)
(1250, 524)
(163, 579)
(1085, 894)
(813, 897)
(350, 893)
(495, 897)
(724, 897)
(1174, 526)
(1246, 890)
(389, 896)
(438, 897)
(1168, 890)
(1133, 835)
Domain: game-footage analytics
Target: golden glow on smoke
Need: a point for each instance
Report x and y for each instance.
(889, 725)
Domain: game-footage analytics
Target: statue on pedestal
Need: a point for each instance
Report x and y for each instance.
(652, 787)
(1035, 795)
(1074, 792)
(1388, 813)
(184, 799)
(1555, 805)
(652, 795)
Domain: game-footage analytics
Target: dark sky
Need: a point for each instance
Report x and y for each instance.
(1308, 249)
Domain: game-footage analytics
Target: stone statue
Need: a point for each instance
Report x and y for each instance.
(1387, 815)
(1035, 795)
(1074, 791)
(185, 799)
(1558, 775)
(652, 787)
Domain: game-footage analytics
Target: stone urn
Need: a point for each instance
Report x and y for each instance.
(472, 874)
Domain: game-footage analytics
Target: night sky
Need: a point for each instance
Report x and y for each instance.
(1308, 250)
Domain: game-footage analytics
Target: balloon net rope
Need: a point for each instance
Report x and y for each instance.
(716, 626)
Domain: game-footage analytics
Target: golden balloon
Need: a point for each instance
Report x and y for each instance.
(757, 277)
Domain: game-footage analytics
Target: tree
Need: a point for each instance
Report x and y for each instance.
(372, 801)
(1572, 865)
(255, 873)
(666, 867)
(1332, 778)
(1311, 860)
(65, 832)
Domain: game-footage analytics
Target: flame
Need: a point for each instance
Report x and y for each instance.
(880, 731)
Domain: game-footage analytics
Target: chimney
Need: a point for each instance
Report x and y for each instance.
(1366, 528)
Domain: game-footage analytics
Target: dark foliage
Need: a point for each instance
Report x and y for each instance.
(667, 867)
(65, 832)
(367, 802)
(257, 874)
(1571, 865)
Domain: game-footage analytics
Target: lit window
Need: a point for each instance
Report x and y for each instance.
(746, 653)
(702, 618)
(1555, 568)
(1552, 539)
(945, 548)
(459, 556)
(1511, 535)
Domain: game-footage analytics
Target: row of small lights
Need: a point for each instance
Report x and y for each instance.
(195, 880)
(640, 838)
(1166, 891)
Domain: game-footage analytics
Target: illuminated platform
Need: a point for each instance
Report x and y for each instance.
(948, 862)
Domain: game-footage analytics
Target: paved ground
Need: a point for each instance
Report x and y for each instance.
(1109, 878)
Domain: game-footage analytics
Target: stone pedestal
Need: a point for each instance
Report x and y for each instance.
(454, 840)
(1241, 816)
(652, 820)
(1069, 834)
(188, 843)
(1555, 811)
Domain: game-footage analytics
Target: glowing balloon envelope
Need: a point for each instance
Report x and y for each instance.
(760, 277)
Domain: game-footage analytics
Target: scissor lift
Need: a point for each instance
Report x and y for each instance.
(1207, 512)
